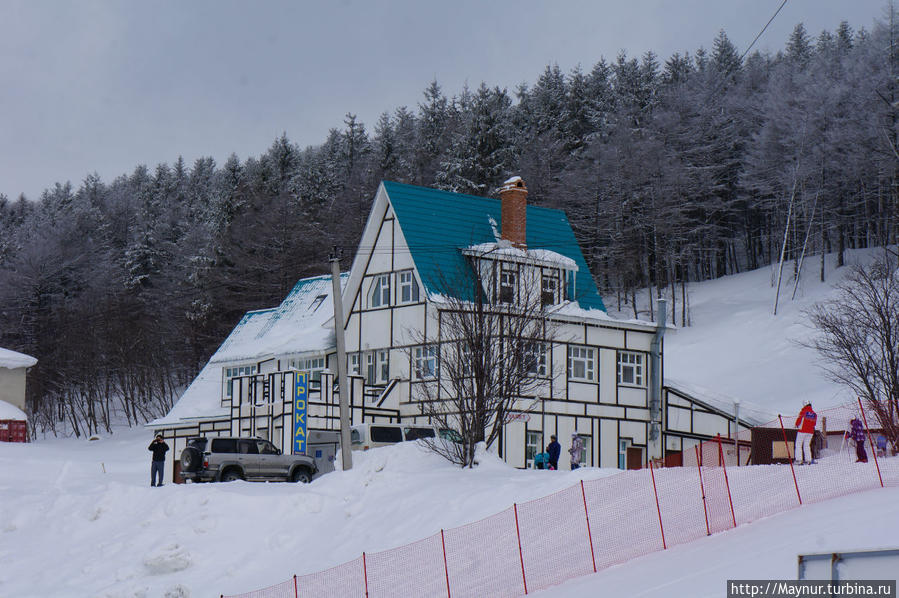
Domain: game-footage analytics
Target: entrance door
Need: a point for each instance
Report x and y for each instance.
(634, 457)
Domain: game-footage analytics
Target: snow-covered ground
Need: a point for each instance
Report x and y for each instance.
(78, 518)
(736, 348)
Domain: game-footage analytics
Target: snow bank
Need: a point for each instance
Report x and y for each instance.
(9, 411)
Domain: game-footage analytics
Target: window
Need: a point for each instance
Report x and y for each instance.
(316, 303)
(425, 362)
(386, 434)
(224, 445)
(581, 364)
(549, 289)
(313, 365)
(231, 373)
(630, 368)
(533, 444)
(353, 364)
(380, 291)
(417, 433)
(535, 359)
(383, 366)
(465, 359)
(370, 369)
(408, 287)
(507, 279)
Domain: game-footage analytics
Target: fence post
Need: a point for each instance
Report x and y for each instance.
(589, 534)
(726, 482)
(296, 593)
(658, 509)
(789, 457)
(873, 446)
(445, 568)
(705, 509)
(365, 574)
(520, 555)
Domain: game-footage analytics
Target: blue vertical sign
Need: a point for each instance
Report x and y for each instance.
(300, 392)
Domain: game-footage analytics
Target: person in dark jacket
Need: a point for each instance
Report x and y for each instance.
(159, 449)
(856, 434)
(554, 449)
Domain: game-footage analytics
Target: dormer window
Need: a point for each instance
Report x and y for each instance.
(380, 291)
(507, 282)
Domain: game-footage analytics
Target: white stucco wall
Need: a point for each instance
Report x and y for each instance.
(12, 386)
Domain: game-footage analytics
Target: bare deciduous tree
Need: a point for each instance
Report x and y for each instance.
(493, 361)
(859, 339)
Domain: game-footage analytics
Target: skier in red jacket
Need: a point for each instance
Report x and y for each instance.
(806, 424)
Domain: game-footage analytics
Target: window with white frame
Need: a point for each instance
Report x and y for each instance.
(231, 373)
(408, 287)
(549, 289)
(630, 368)
(507, 283)
(380, 291)
(533, 444)
(353, 364)
(466, 357)
(383, 366)
(424, 362)
(371, 369)
(535, 359)
(313, 365)
(581, 363)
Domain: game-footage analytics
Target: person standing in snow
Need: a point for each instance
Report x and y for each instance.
(806, 424)
(554, 449)
(856, 434)
(159, 449)
(577, 446)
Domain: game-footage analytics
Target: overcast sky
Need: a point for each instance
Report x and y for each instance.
(104, 86)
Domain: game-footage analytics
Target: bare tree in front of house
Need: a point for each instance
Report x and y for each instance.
(859, 339)
(492, 359)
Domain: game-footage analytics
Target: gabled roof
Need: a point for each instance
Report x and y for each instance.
(438, 225)
(299, 325)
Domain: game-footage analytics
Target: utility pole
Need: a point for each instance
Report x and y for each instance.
(346, 457)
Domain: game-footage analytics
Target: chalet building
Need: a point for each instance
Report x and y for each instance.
(600, 377)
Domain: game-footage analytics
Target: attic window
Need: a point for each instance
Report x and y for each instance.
(408, 287)
(316, 303)
(380, 291)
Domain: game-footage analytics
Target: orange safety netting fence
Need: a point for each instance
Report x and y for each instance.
(599, 523)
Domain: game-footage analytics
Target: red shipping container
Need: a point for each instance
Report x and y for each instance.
(13, 430)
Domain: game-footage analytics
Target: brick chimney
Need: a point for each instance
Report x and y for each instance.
(513, 196)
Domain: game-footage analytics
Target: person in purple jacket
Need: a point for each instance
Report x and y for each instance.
(856, 434)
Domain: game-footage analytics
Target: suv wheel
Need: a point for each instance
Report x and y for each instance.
(191, 459)
(232, 475)
(301, 475)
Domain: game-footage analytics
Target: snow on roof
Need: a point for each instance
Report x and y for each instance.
(12, 359)
(538, 257)
(299, 325)
(749, 412)
(9, 411)
(202, 399)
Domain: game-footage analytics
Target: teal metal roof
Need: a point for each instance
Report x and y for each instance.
(439, 224)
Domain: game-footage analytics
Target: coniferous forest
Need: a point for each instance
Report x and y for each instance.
(671, 170)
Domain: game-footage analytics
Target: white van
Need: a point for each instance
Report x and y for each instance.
(366, 436)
